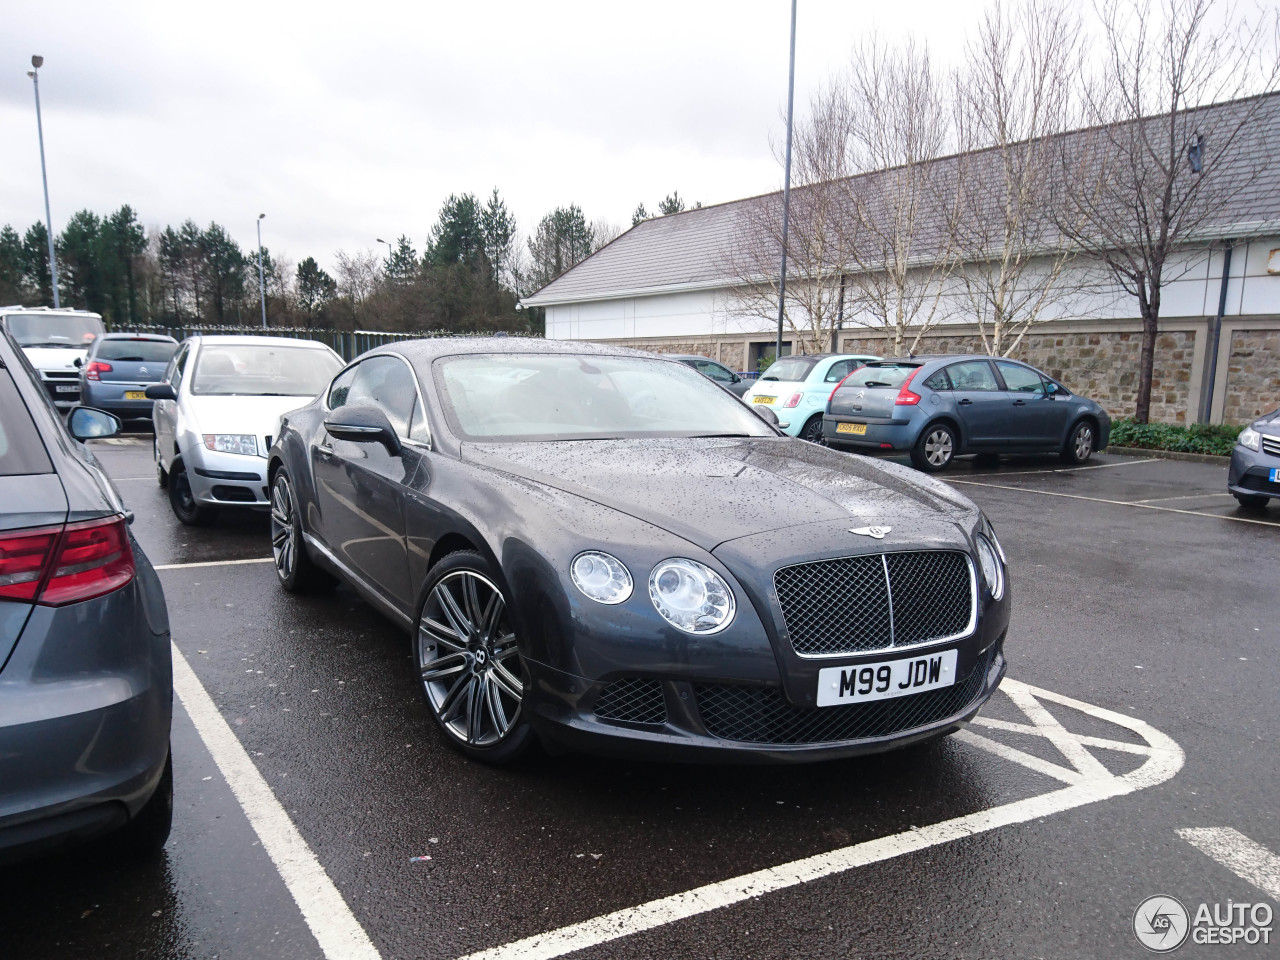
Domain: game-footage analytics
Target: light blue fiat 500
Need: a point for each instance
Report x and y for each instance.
(797, 389)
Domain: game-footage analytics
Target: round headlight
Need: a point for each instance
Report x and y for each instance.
(691, 596)
(601, 577)
(992, 572)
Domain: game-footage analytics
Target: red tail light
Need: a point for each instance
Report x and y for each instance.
(94, 369)
(905, 395)
(59, 565)
(794, 400)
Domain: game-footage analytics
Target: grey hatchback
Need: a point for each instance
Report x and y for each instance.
(941, 407)
(86, 682)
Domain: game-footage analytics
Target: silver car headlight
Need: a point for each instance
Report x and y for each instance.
(245, 444)
(1250, 438)
(691, 596)
(992, 569)
(601, 577)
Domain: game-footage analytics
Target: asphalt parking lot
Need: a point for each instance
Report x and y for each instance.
(320, 814)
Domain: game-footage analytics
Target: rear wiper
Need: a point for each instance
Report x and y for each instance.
(768, 378)
(876, 383)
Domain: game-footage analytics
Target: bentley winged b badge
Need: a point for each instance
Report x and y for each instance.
(876, 532)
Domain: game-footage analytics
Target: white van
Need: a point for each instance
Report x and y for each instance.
(55, 342)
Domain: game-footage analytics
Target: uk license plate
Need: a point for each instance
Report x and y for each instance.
(135, 395)
(763, 399)
(1275, 475)
(858, 428)
(885, 679)
(67, 388)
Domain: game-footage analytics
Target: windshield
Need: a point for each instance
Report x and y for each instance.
(140, 350)
(790, 369)
(873, 376)
(53, 330)
(566, 397)
(262, 370)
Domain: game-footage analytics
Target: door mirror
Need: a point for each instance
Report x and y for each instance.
(78, 361)
(86, 423)
(161, 391)
(736, 378)
(363, 424)
(765, 413)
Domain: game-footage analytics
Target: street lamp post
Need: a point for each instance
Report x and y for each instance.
(389, 252)
(786, 184)
(262, 282)
(34, 73)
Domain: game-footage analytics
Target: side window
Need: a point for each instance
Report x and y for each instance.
(838, 371)
(714, 371)
(1019, 378)
(179, 366)
(386, 383)
(418, 429)
(970, 375)
(939, 381)
(340, 387)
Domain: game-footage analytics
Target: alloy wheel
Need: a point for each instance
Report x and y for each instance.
(284, 539)
(468, 660)
(1084, 442)
(938, 448)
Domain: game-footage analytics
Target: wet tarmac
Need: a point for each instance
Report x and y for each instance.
(1137, 587)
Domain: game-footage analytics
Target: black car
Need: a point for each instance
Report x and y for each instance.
(714, 370)
(1253, 477)
(86, 682)
(599, 549)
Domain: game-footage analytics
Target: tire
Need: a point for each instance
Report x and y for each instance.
(162, 475)
(812, 430)
(144, 836)
(184, 504)
(1080, 442)
(1251, 502)
(935, 448)
(295, 569)
(469, 665)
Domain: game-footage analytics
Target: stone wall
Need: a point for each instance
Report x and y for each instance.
(1253, 375)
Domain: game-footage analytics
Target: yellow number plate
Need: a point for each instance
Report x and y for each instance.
(851, 428)
(135, 395)
(763, 399)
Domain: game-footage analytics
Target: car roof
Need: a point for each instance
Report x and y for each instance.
(426, 350)
(690, 356)
(247, 340)
(137, 336)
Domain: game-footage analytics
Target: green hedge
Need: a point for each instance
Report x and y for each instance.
(1197, 438)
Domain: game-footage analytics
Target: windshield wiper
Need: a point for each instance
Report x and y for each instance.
(768, 378)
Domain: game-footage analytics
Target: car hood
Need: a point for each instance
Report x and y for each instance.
(710, 491)
(55, 358)
(257, 415)
(1270, 422)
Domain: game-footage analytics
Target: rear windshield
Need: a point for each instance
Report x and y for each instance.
(145, 351)
(872, 376)
(21, 451)
(790, 369)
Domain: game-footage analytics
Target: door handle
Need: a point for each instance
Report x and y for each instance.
(1019, 403)
(964, 403)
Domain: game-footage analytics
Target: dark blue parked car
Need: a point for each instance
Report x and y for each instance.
(86, 682)
(938, 408)
(119, 368)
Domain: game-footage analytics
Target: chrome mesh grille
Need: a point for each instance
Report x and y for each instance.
(1271, 445)
(844, 605)
(764, 715)
(633, 700)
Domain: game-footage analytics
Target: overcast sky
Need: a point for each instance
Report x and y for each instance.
(352, 121)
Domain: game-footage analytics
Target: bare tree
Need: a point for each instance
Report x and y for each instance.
(1174, 157)
(359, 275)
(1015, 94)
(897, 226)
(603, 233)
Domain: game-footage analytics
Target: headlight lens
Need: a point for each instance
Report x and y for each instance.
(691, 596)
(245, 444)
(990, 534)
(601, 577)
(992, 570)
(1250, 438)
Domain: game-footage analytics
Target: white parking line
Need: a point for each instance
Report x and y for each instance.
(1119, 503)
(211, 563)
(1096, 466)
(1088, 782)
(1189, 496)
(1246, 859)
(335, 928)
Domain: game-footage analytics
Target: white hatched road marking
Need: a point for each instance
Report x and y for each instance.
(334, 926)
(1087, 782)
(1246, 859)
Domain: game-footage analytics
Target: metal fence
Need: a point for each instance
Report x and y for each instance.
(348, 344)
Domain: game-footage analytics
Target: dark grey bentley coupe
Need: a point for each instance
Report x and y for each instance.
(601, 550)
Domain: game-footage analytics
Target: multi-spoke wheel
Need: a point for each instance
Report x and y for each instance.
(813, 430)
(467, 658)
(1080, 444)
(934, 448)
(294, 567)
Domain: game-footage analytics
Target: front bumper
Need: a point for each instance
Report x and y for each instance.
(1250, 471)
(226, 479)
